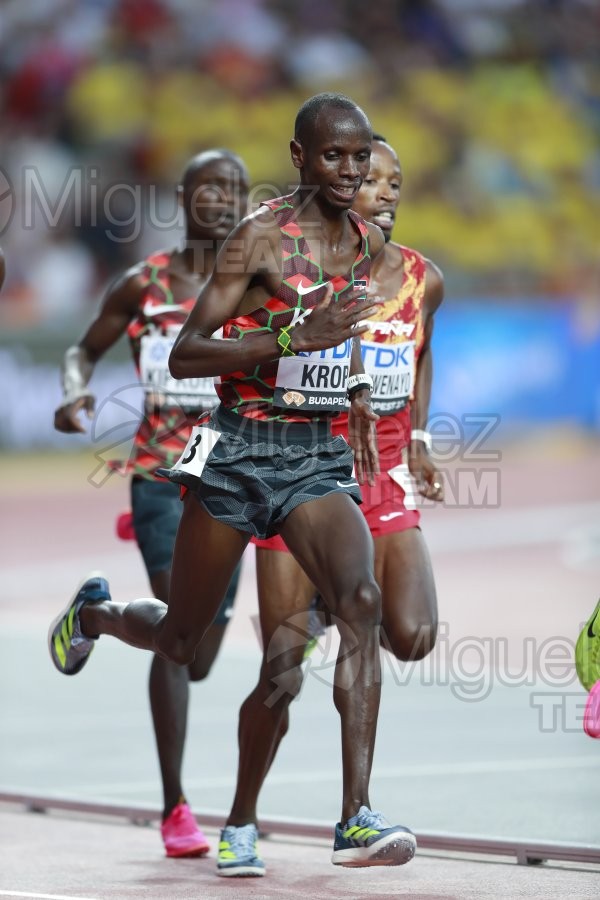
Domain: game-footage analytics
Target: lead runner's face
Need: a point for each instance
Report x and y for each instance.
(336, 159)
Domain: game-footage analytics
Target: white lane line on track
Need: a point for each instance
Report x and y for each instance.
(41, 896)
(498, 529)
(382, 772)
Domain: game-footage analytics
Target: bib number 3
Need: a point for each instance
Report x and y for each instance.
(197, 450)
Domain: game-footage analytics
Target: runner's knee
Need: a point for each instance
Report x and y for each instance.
(362, 607)
(181, 651)
(409, 641)
(199, 669)
(206, 652)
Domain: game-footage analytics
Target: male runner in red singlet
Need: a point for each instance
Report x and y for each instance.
(288, 286)
(397, 354)
(149, 303)
(396, 351)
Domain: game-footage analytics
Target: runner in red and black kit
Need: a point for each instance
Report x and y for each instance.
(396, 351)
(150, 303)
(268, 462)
(287, 394)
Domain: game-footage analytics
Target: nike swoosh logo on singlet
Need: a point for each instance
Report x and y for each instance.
(308, 288)
(390, 516)
(150, 309)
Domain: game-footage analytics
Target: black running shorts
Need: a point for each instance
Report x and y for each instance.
(255, 473)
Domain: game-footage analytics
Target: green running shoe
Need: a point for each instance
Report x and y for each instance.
(69, 648)
(587, 651)
(367, 839)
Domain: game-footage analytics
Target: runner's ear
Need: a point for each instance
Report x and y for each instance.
(297, 153)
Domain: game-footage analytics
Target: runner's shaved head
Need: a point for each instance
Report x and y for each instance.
(310, 112)
(202, 160)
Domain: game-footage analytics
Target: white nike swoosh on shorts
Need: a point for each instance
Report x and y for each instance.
(308, 288)
(345, 484)
(390, 516)
(150, 309)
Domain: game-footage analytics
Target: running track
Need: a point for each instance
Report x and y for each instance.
(486, 740)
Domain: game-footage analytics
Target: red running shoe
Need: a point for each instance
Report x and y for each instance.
(124, 526)
(181, 835)
(591, 716)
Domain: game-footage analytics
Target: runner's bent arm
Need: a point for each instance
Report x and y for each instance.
(421, 465)
(251, 256)
(362, 434)
(117, 310)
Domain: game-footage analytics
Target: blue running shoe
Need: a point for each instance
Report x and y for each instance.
(69, 648)
(238, 852)
(367, 839)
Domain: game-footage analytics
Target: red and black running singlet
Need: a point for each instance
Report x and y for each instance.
(310, 385)
(171, 406)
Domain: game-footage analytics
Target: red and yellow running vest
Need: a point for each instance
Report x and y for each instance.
(391, 349)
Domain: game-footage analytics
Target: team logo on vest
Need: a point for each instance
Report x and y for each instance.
(400, 329)
(300, 315)
(293, 398)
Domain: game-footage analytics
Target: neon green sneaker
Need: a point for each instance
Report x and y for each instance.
(587, 651)
(69, 648)
(238, 852)
(367, 839)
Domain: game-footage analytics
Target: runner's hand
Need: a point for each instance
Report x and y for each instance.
(66, 417)
(430, 482)
(362, 437)
(330, 324)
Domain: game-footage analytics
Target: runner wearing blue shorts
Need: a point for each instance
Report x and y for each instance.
(149, 304)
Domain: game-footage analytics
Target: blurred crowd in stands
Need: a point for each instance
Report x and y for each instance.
(493, 105)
